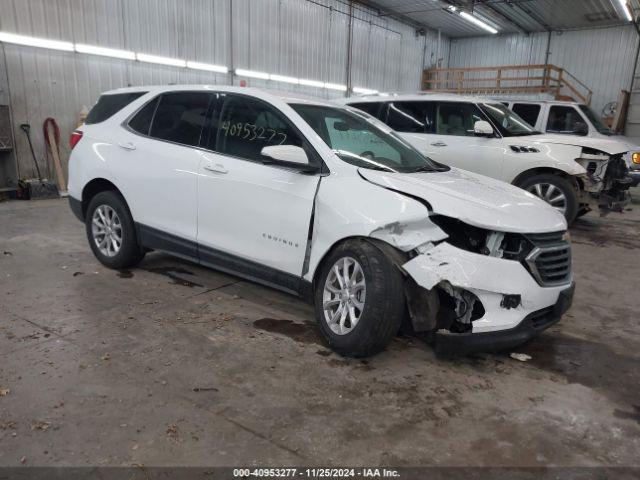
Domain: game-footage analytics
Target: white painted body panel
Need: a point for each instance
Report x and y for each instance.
(476, 200)
(258, 212)
(233, 205)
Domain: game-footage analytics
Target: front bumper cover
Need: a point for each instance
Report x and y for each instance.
(448, 344)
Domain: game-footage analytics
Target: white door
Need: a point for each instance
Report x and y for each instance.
(449, 138)
(159, 166)
(252, 215)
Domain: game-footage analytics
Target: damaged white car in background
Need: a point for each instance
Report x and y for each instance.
(572, 174)
(325, 202)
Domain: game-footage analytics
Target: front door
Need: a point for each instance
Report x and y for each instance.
(450, 139)
(253, 218)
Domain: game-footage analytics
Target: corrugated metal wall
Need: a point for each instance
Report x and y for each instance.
(601, 58)
(302, 38)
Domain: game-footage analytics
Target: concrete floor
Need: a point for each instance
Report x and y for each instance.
(173, 364)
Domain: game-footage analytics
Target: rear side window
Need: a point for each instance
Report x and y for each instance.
(563, 119)
(372, 108)
(412, 117)
(141, 122)
(109, 105)
(180, 116)
(247, 125)
(527, 111)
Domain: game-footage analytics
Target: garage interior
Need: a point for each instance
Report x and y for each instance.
(172, 364)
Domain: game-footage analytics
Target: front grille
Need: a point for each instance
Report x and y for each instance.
(550, 260)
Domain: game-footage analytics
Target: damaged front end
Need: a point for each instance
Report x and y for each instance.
(477, 289)
(607, 180)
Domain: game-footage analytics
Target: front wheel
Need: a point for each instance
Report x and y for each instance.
(359, 299)
(556, 191)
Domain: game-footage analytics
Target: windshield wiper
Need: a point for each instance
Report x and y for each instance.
(422, 168)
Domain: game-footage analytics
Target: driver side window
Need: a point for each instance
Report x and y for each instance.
(457, 119)
(246, 125)
(563, 119)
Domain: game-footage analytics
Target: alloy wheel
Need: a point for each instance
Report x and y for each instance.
(550, 194)
(343, 296)
(106, 229)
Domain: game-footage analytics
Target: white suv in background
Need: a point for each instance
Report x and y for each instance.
(572, 118)
(484, 136)
(324, 202)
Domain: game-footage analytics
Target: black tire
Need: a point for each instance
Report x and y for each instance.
(384, 303)
(130, 252)
(560, 183)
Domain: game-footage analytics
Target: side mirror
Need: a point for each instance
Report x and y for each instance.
(288, 155)
(580, 128)
(482, 128)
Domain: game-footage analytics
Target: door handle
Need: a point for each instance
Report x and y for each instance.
(439, 143)
(217, 168)
(127, 145)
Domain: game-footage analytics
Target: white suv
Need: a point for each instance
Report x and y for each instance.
(323, 202)
(485, 137)
(572, 118)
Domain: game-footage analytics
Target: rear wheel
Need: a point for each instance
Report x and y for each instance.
(111, 231)
(556, 191)
(359, 299)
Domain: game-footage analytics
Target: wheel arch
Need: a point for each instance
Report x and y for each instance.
(539, 171)
(95, 186)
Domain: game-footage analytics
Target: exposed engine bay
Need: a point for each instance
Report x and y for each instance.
(607, 179)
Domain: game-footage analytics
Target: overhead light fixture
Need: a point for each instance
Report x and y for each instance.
(364, 91)
(173, 62)
(282, 78)
(476, 21)
(626, 9)
(252, 74)
(335, 86)
(105, 52)
(207, 67)
(311, 83)
(35, 42)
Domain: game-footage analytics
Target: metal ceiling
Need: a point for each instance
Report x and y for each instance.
(508, 16)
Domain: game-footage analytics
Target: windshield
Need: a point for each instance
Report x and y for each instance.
(595, 121)
(358, 141)
(509, 124)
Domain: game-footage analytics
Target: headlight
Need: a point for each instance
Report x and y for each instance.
(635, 158)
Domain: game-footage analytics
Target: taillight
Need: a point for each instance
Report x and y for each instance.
(75, 138)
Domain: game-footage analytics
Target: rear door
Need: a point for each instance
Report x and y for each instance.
(253, 217)
(159, 175)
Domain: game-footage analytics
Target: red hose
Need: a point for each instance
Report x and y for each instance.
(56, 131)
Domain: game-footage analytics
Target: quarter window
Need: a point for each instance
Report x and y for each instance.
(247, 125)
(457, 119)
(109, 105)
(563, 119)
(412, 117)
(180, 117)
(141, 122)
(527, 111)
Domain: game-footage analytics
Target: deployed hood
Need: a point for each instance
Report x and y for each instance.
(474, 199)
(607, 145)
